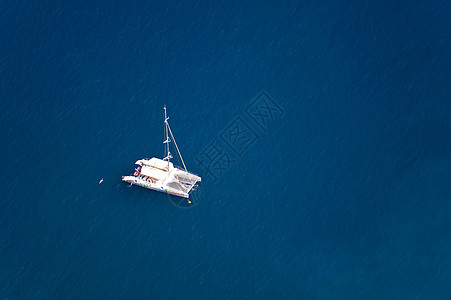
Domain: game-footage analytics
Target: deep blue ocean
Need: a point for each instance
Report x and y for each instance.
(321, 130)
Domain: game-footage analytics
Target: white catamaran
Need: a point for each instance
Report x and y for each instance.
(160, 174)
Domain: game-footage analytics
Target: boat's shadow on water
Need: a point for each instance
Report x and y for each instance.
(194, 198)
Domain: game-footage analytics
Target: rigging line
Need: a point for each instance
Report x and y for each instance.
(170, 131)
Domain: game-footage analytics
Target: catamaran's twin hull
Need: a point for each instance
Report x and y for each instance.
(153, 186)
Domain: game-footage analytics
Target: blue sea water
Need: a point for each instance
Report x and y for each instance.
(346, 194)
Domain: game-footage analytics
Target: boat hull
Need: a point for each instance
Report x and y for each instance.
(153, 186)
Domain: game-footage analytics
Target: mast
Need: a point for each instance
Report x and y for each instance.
(166, 133)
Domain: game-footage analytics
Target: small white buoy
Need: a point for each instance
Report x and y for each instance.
(101, 180)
